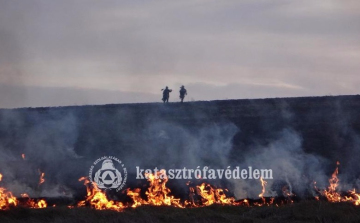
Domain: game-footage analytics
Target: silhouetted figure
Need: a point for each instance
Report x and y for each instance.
(166, 94)
(183, 92)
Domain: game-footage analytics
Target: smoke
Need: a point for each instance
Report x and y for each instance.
(64, 142)
(177, 146)
(289, 163)
(47, 139)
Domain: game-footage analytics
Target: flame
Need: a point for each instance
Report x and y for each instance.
(246, 202)
(263, 184)
(157, 194)
(42, 204)
(210, 195)
(135, 196)
(42, 179)
(261, 195)
(332, 194)
(222, 198)
(207, 194)
(23, 156)
(7, 200)
(32, 203)
(355, 197)
(97, 199)
(286, 192)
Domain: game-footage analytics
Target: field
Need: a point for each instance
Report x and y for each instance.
(305, 211)
(44, 151)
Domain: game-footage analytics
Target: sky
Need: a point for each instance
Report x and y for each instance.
(77, 52)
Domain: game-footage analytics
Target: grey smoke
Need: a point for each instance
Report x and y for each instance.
(288, 161)
(64, 142)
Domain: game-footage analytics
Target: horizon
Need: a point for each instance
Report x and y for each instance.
(178, 102)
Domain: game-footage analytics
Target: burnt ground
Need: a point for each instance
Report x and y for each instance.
(305, 211)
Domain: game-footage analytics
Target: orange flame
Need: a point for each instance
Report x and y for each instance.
(263, 190)
(210, 195)
(23, 156)
(135, 196)
(97, 199)
(7, 200)
(355, 197)
(157, 193)
(42, 204)
(331, 193)
(42, 179)
(263, 184)
(32, 203)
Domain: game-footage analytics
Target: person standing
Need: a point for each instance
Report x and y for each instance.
(166, 94)
(183, 92)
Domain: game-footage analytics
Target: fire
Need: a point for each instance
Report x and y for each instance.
(207, 194)
(157, 194)
(135, 196)
(261, 195)
(23, 156)
(286, 192)
(355, 198)
(32, 203)
(42, 179)
(97, 199)
(246, 202)
(222, 198)
(210, 195)
(7, 200)
(263, 184)
(332, 194)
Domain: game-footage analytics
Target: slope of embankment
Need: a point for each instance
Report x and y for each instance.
(291, 135)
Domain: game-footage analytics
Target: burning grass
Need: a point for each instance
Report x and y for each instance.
(8, 201)
(206, 203)
(305, 211)
(158, 194)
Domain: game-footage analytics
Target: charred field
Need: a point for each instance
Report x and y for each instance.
(305, 211)
(312, 144)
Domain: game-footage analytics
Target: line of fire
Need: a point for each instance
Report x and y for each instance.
(158, 193)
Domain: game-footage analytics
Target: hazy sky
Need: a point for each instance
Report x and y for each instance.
(72, 52)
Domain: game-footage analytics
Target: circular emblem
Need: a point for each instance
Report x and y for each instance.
(108, 172)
